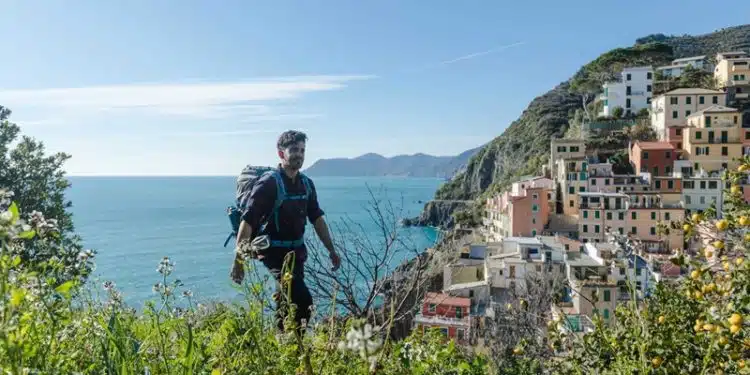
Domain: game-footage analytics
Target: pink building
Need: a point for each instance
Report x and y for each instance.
(450, 314)
(521, 212)
(656, 158)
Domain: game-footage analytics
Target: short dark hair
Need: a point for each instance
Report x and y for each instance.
(289, 138)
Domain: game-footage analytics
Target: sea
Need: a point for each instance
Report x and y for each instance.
(133, 222)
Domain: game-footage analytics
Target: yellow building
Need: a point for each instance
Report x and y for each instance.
(674, 107)
(572, 176)
(732, 69)
(646, 210)
(713, 139)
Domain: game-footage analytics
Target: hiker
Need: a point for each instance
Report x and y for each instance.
(285, 224)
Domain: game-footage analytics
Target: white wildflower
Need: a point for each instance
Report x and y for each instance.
(165, 266)
(187, 293)
(365, 341)
(5, 217)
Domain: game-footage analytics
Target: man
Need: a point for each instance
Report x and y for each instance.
(286, 231)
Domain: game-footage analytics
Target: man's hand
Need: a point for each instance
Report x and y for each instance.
(238, 270)
(335, 261)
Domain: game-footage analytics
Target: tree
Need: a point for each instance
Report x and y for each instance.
(38, 182)
(617, 112)
(367, 285)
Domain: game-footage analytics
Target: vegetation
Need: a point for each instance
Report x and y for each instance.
(39, 183)
(689, 78)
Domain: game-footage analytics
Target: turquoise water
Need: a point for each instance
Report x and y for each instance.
(134, 221)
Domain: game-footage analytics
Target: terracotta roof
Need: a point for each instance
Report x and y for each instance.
(446, 299)
(693, 91)
(714, 109)
(655, 145)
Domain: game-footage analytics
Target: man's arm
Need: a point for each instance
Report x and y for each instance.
(315, 215)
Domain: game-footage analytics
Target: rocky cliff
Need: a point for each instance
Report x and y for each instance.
(438, 213)
(524, 146)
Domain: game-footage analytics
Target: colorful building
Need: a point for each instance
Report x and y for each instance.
(712, 140)
(656, 158)
(600, 212)
(732, 72)
(448, 313)
(522, 211)
(673, 108)
(646, 210)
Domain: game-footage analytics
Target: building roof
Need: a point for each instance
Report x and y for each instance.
(692, 91)
(714, 109)
(701, 57)
(446, 299)
(638, 261)
(637, 68)
(655, 145)
(674, 66)
(462, 286)
(582, 260)
(600, 194)
(524, 240)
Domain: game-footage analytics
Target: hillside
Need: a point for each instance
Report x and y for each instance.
(417, 165)
(524, 145)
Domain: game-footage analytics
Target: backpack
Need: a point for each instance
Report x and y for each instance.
(247, 179)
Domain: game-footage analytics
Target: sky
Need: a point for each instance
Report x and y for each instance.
(180, 87)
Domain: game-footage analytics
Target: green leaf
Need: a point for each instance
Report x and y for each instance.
(16, 261)
(16, 297)
(14, 212)
(64, 288)
(27, 235)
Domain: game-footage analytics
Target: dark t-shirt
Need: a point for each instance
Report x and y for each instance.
(293, 214)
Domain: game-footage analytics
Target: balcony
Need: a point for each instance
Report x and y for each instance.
(738, 82)
(441, 320)
(741, 95)
(740, 67)
(636, 93)
(577, 323)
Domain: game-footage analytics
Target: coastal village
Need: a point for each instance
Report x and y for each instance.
(584, 230)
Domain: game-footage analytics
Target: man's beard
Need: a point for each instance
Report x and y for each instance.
(296, 163)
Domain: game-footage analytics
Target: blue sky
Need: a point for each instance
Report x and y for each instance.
(188, 87)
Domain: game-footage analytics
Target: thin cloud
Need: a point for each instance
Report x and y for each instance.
(197, 99)
(482, 53)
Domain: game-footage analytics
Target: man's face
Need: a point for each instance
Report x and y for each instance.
(293, 156)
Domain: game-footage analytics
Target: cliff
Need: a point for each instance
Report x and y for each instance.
(524, 146)
(417, 165)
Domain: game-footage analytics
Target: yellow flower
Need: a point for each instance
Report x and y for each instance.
(739, 261)
(722, 225)
(744, 221)
(734, 329)
(735, 319)
(718, 244)
(656, 362)
(743, 168)
(695, 274)
(662, 319)
(696, 217)
(735, 189)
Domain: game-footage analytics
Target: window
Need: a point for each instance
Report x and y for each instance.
(622, 271)
(585, 214)
(634, 230)
(656, 171)
(712, 184)
(673, 100)
(513, 272)
(645, 154)
(628, 77)
(609, 216)
(648, 88)
(688, 100)
(460, 334)
(703, 200)
(621, 216)
(688, 199)
(679, 144)
(597, 214)
(431, 308)
(606, 313)
(715, 100)
(593, 182)
(638, 271)
(698, 134)
(674, 114)
(653, 231)
(670, 184)
(571, 204)
(649, 75)
(571, 190)
(678, 132)
(582, 189)
(585, 228)
(633, 215)
(702, 100)
(606, 181)
(621, 230)
(627, 103)
(703, 184)
(653, 215)
(596, 229)
(533, 233)
(534, 208)
(648, 100)
(668, 171)
(724, 151)
(657, 183)
(535, 196)
(459, 312)
(687, 113)
(444, 331)
(607, 296)
(666, 216)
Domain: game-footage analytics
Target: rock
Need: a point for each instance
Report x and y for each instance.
(437, 213)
